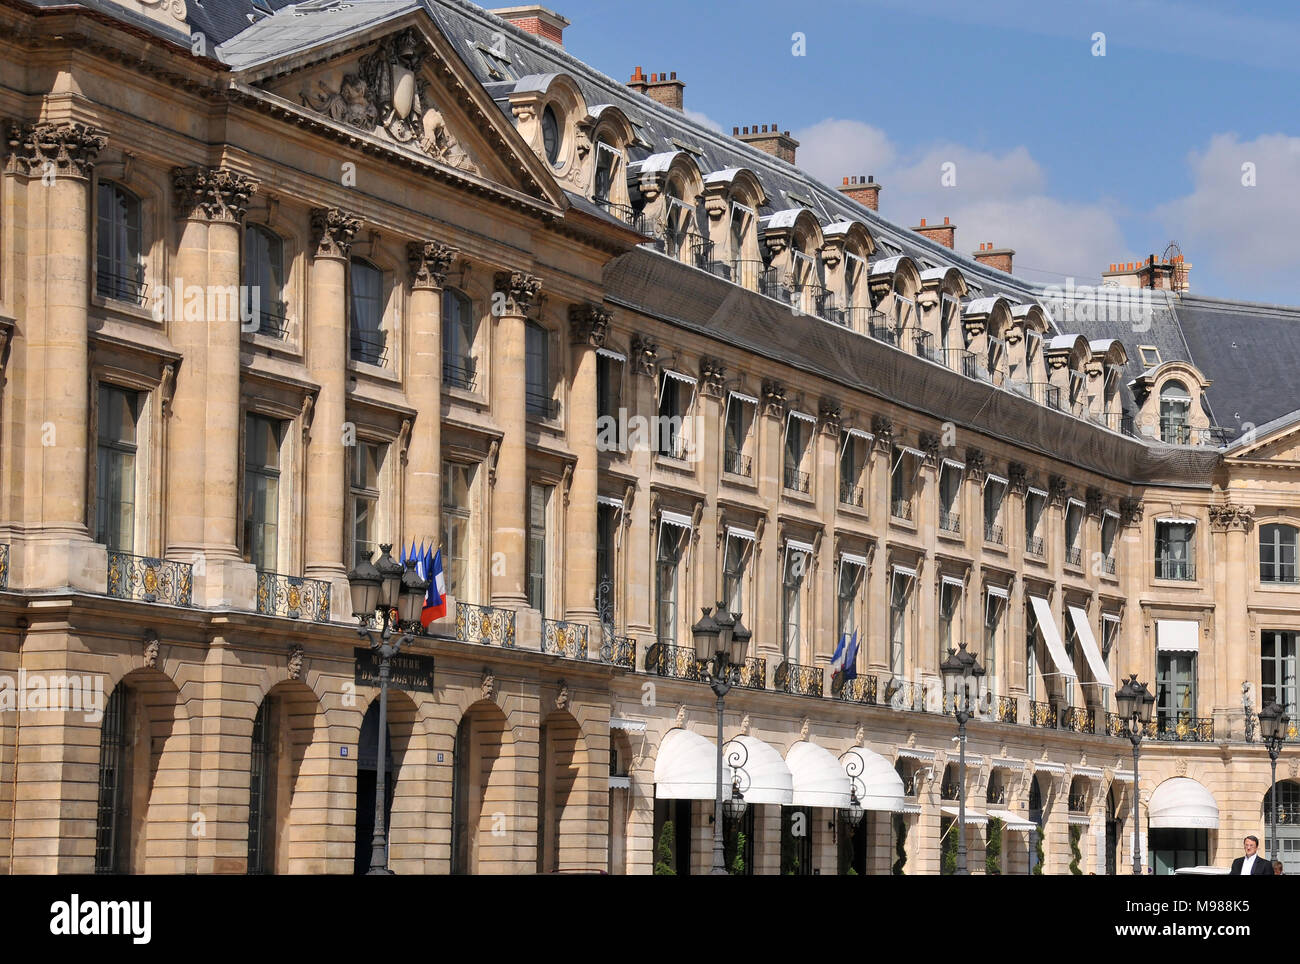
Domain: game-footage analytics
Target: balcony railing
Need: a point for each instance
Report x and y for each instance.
(771, 284)
(861, 689)
(1169, 568)
(124, 287)
(959, 360)
(1045, 393)
(623, 212)
(274, 321)
(541, 405)
(753, 673)
(797, 481)
(1184, 729)
(672, 447)
(850, 494)
(561, 638)
(799, 679)
(904, 695)
(489, 625)
(677, 662)
(651, 227)
(921, 343)
(150, 579)
(1008, 709)
(4, 565)
(860, 319)
(993, 533)
(369, 347)
(1073, 556)
(1115, 725)
(1079, 719)
(293, 596)
(901, 509)
(460, 371)
(949, 521)
(1108, 565)
(701, 251)
(1175, 431)
(1078, 803)
(746, 272)
(1034, 546)
(1042, 714)
(880, 330)
(618, 650)
(718, 268)
(737, 464)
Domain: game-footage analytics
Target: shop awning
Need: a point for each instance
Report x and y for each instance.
(819, 780)
(1052, 636)
(1089, 642)
(1012, 821)
(763, 775)
(686, 767)
(878, 784)
(973, 817)
(1181, 802)
(1177, 635)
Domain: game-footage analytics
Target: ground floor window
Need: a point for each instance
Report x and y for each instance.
(796, 842)
(1174, 847)
(739, 844)
(673, 837)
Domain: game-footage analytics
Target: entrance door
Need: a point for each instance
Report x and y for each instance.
(367, 774)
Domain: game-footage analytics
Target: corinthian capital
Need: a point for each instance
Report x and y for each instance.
(1231, 515)
(332, 232)
(429, 261)
(211, 193)
(519, 290)
(588, 324)
(53, 150)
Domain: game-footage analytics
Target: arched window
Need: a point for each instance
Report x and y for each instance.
(367, 340)
(264, 279)
(551, 139)
(1277, 553)
(459, 366)
(119, 268)
(1175, 406)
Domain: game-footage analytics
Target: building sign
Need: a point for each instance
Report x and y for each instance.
(407, 671)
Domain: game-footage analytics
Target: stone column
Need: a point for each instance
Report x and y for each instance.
(879, 581)
(50, 365)
(587, 327)
(823, 627)
(766, 621)
(515, 294)
(1235, 640)
(327, 344)
(429, 261)
(639, 522)
(203, 468)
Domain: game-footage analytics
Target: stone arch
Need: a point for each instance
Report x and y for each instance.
(485, 833)
(292, 725)
(565, 784)
(407, 753)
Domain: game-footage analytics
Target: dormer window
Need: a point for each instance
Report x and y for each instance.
(551, 134)
(949, 326)
(1150, 356)
(1175, 406)
(608, 162)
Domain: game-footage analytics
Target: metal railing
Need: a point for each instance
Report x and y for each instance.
(1079, 719)
(668, 659)
(1175, 431)
(1183, 729)
(718, 268)
(1115, 725)
(949, 521)
(1008, 709)
(1042, 714)
(1044, 393)
(799, 679)
(797, 481)
(903, 694)
(1170, 568)
(369, 347)
(993, 533)
(1034, 546)
(901, 509)
(753, 673)
(150, 579)
(737, 464)
(701, 250)
(1108, 565)
(561, 638)
(489, 625)
(274, 322)
(293, 596)
(860, 319)
(541, 405)
(651, 227)
(881, 331)
(921, 343)
(1073, 556)
(4, 565)
(851, 494)
(460, 371)
(672, 447)
(772, 285)
(746, 272)
(618, 650)
(1078, 803)
(959, 360)
(124, 287)
(860, 689)
(623, 212)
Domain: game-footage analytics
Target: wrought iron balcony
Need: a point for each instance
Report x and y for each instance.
(949, 521)
(1079, 719)
(369, 347)
(851, 494)
(150, 579)
(293, 596)
(1175, 431)
(652, 227)
(4, 565)
(797, 481)
(274, 321)
(1168, 567)
(619, 650)
(880, 329)
(1034, 546)
(861, 319)
(672, 445)
(901, 509)
(861, 689)
(489, 625)
(1008, 709)
(677, 662)
(541, 405)
(799, 679)
(1183, 729)
(129, 286)
(753, 673)
(960, 360)
(1115, 725)
(623, 212)
(904, 695)
(993, 533)
(1042, 714)
(1073, 556)
(1045, 393)
(772, 285)
(746, 272)
(701, 250)
(460, 371)
(718, 268)
(921, 343)
(561, 638)
(737, 464)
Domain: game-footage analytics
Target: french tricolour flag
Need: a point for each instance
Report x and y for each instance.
(435, 599)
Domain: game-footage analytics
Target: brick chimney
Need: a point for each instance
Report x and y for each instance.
(664, 88)
(1168, 274)
(776, 142)
(863, 189)
(537, 20)
(945, 234)
(999, 258)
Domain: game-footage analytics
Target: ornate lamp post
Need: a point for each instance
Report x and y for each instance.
(725, 638)
(395, 596)
(958, 670)
(1272, 724)
(1135, 703)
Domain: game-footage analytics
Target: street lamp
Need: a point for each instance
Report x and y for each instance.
(958, 670)
(722, 640)
(395, 595)
(1135, 702)
(1272, 724)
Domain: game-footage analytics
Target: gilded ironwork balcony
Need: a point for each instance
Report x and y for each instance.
(1034, 546)
(489, 625)
(959, 360)
(369, 347)
(737, 464)
(904, 695)
(949, 521)
(460, 371)
(860, 689)
(541, 405)
(1042, 714)
(561, 638)
(619, 650)
(150, 579)
(1073, 556)
(1079, 719)
(753, 673)
(4, 565)
(293, 596)
(881, 330)
(797, 481)
(901, 509)
(746, 272)
(1115, 725)
(677, 662)
(623, 212)
(128, 286)
(799, 679)
(1168, 567)
(1184, 729)
(993, 533)
(850, 494)
(1008, 709)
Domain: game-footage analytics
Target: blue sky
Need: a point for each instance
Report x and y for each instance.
(1072, 159)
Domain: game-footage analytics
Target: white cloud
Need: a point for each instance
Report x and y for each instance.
(701, 118)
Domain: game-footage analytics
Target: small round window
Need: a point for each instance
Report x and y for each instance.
(551, 134)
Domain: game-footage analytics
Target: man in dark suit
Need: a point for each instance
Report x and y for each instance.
(1252, 862)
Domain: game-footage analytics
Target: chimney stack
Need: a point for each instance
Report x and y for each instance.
(999, 258)
(863, 189)
(775, 142)
(945, 234)
(537, 20)
(664, 88)
(1165, 274)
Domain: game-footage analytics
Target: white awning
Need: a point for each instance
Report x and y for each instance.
(610, 501)
(1047, 766)
(906, 807)
(1041, 493)
(735, 532)
(1077, 819)
(996, 479)
(954, 464)
(1052, 636)
(904, 571)
(679, 377)
(1177, 635)
(973, 817)
(996, 591)
(911, 451)
(1070, 503)
(1090, 651)
(819, 780)
(853, 560)
(1012, 821)
(1006, 763)
(1181, 802)
(953, 581)
(676, 519)
(742, 397)
(878, 784)
(1177, 520)
(859, 433)
(629, 726)
(686, 767)
(763, 775)
(611, 354)
(802, 416)
(1093, 773)
(1123, 776)
(620, 783)
(913, 753)
(804, 547)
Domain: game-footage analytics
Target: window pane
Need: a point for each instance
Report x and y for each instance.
(367, 336)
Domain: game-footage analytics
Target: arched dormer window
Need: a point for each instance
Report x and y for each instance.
(264, 276)
(1277, 553)
(1175, 411)
(366, 337)
(119, 244)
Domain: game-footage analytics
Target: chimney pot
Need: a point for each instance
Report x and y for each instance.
(674, 77)
(871, 178)
(922, 222)
(945, 220)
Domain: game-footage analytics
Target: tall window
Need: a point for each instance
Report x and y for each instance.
(1034, 502)
(1031, 652)
(853, 460)
(1277, 553)
(899, 591)
(264, 274)
(740, 420)
(995, 490)
(1277, 670)
(113, 811)
(367, 462)
(672, 543)
(608, 160)
(798, 433)
(950, 335)
(1175, 687)
(262, 438)
(950, 475)
(1109, 637)
(537, 368)
(606, 527)
(734, 562)
(950, 590)
(1175, 406)
(796, 561)
(459, 366)
(115, 482)
(676, 396)
(457, 522)
(852, 575)
(1109, 528)
(539, 498)
(609, 386)
(1074, 533)
(902, 476)
(995, 604)
(367, 341)
(119, 266)
(1174, 550)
